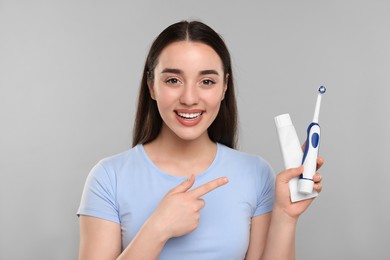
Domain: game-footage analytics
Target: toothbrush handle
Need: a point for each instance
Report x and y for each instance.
(309, 161)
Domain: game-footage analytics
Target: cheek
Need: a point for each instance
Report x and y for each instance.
(214, 99)
(165, 98)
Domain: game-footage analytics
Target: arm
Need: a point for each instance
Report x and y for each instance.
(281, 237)
(273, 234)
(281, 234)
(101, 240)
(275, 231)
(258, 236)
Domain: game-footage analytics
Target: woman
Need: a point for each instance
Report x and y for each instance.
(182, 191)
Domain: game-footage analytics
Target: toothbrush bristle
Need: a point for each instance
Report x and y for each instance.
(322, 90)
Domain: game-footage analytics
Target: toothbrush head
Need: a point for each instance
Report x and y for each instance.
(322, 90)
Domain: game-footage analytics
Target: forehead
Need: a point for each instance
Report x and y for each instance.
(189, 55)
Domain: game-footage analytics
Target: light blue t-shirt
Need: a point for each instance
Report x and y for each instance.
(126, 188)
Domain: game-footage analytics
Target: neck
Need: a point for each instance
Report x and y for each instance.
(172, 145)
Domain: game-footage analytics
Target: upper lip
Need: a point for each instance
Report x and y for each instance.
(189, 111)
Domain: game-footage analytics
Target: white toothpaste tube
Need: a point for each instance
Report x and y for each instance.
(292, 154)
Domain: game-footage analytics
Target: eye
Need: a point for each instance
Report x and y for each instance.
(208, 82)
(172, 81)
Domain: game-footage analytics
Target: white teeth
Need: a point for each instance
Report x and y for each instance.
(189, 116)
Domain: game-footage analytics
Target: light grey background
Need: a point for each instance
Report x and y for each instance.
(69, 76)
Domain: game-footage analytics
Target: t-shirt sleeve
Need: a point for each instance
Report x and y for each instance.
(266, 189)
(99, 195)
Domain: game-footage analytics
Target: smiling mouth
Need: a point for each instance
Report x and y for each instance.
(189, 115)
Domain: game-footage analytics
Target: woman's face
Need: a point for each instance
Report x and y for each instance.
(188, 86)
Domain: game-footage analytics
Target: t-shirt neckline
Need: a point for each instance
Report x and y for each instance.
(141, 149)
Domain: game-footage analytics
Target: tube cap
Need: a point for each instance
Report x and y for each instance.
(283, 120)
(305, 186)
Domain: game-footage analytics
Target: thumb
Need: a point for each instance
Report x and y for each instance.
(288, 174)
(184, 186)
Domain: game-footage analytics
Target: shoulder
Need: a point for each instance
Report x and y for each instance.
(117, 161)
(111, 166)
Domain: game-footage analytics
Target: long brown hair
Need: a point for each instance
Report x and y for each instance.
(148, 121)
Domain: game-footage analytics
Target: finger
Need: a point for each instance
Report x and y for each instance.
(207, 187)
(200, 203)
(288, 174)
(317, 187)
(184, 186)
(317, 177)
(320, 162)
(303, 146)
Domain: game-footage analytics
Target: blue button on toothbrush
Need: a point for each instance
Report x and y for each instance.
(305, 183)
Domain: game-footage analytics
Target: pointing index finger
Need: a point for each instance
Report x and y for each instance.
(209, 186)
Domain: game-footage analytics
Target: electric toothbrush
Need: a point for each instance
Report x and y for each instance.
(309, 161)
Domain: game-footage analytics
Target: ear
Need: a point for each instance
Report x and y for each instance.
(225, 86)
(151, 89)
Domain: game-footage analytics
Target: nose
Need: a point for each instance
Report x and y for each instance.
(189, 95)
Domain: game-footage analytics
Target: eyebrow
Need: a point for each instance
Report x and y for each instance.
(205, 72)
(180, 72)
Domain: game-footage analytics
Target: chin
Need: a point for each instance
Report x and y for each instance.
(191, 135)
(188, 134)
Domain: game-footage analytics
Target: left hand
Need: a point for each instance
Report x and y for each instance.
(282, 191)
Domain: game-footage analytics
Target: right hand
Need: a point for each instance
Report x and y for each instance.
(179, 211)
